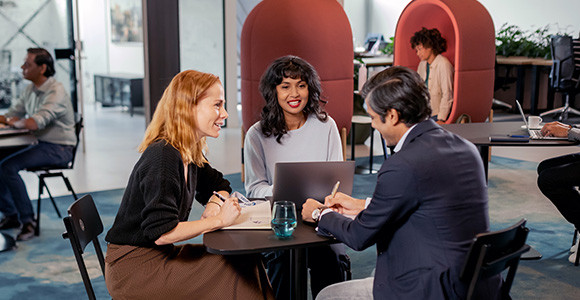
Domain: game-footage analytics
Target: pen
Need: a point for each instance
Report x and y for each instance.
(335, 189)
(519, 136)
(243, 199)
(220, 196)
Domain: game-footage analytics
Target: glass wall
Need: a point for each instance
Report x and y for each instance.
(30, 24)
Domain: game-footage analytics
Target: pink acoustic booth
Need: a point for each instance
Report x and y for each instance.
(468, 29)
(317, 31)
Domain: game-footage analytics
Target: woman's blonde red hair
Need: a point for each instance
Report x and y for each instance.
(174, 118)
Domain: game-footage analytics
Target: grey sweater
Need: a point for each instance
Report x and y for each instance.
(314, 141)
(51, 108)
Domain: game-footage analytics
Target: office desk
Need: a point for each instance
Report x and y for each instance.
(13, 142)
(16, 141)
(521, 63)
(479, 133)
(235, 242)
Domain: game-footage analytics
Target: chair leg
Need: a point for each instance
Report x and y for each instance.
(41, 185)
(577, 261)
(69, 187)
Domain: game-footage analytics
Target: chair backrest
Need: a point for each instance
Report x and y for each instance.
(317, 31)
(83, 226)
(493, 252)
(473, 59)
(563, 65)
(78, 128)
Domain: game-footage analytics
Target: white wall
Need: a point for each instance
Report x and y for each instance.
(93, 33)
(201, 36)
(532, 14)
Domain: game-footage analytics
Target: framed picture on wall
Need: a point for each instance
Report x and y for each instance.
(126, 21)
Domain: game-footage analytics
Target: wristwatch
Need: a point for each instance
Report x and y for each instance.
(316, 213)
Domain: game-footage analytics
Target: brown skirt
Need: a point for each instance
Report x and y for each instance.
(183, 272)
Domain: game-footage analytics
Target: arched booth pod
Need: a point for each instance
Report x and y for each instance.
(468, 29)
(317, 31)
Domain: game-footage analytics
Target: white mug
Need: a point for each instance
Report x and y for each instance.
(534, 121)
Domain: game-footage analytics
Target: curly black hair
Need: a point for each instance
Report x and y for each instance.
(273, 122)
(429, 38)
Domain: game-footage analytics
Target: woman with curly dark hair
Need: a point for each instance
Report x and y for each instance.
(294, 127)
(436, 70)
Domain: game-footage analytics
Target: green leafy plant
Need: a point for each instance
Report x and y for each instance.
(511, 40)
(389, 49)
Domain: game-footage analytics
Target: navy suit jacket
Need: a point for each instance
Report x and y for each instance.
(429, 203)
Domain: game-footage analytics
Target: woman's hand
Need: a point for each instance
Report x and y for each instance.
(229, 212)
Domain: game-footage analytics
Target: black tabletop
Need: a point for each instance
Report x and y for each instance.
(480, 133)
(227, 242)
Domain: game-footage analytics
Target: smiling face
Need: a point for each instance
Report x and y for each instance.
(390, 128)
(210, 112)
(292, 97)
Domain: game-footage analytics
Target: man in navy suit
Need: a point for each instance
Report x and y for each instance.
(429, 202)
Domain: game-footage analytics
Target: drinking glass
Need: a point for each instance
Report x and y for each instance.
(283, 218)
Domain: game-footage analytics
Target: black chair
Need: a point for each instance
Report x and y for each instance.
(493, 252)
(55, 171)
(83, 226)
(564, 74)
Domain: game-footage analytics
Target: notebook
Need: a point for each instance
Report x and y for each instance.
(298, 181)
(536, 133)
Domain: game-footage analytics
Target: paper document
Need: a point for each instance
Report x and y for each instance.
(255, 215)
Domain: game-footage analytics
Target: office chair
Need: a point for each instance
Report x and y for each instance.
(458, 21)
(83, 226)
(493, 252)
(55, 171)
(564, 74)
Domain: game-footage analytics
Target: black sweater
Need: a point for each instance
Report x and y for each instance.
(157, 197)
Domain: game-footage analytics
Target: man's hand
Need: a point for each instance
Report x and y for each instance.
(556, 129)
(344, 204)
(308, 207)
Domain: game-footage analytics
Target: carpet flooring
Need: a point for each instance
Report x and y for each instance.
(45, 268)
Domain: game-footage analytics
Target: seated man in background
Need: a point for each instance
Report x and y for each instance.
(559, 178)
(44, 108)
(429, 202)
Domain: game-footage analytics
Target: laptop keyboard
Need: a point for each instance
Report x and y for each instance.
(536, 134)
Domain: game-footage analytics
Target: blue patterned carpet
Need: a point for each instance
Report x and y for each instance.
(45, 268)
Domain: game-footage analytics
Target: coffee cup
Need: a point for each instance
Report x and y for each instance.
(534, 121)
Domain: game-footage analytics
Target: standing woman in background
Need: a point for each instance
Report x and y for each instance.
(142, 261)
(436, 70)
(293, 128)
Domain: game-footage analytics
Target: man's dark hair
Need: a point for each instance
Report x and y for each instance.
(429, 38)
(273, 122)
(42, 57)
(401, 89)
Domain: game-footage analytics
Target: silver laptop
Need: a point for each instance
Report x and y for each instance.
(535, 133)
(298, 181)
